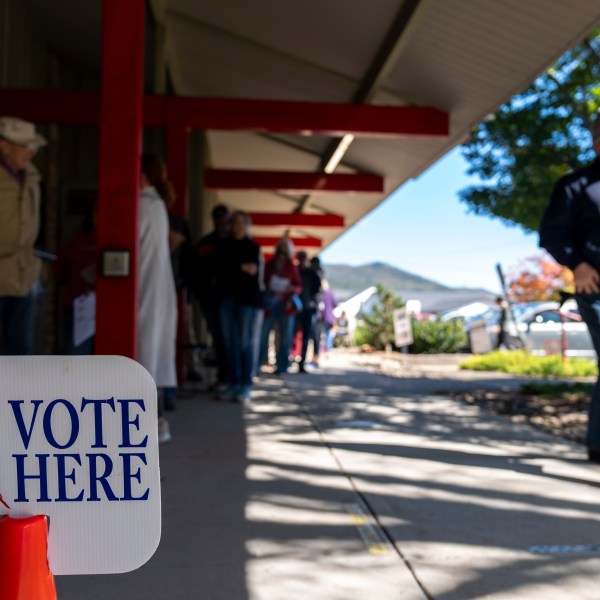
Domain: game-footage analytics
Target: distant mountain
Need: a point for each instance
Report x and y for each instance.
(346, 280)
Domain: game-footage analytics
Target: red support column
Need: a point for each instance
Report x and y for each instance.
(121, 106)
(177, 146)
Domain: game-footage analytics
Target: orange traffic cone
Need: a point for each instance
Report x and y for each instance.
(24, 570)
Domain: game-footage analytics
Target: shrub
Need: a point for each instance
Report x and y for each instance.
(438, 337)
(562, 390)
(377, 328)
(519, 362)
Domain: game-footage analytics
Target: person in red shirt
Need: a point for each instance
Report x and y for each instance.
(283, 286)
(75, 270)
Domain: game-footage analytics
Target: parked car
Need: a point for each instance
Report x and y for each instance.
(538, 328)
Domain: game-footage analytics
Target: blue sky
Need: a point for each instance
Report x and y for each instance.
(424, 228)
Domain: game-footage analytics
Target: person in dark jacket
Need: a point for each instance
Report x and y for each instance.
(570, 232)
(307, 317)
(238, 261)
(204, 282)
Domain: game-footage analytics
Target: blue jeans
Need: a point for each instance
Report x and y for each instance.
(237, 322)
(306, 321)
(210, 310)
(589, 307)
(286, 325)
(16, 325)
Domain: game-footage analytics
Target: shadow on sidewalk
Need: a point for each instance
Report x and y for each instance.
(202, 553)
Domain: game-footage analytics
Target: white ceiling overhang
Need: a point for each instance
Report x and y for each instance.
(465, 57)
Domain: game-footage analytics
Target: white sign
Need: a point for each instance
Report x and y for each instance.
(79, 443)
(480, 337)
(84, 318)
(402, 328)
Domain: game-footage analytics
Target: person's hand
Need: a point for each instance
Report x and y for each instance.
(586, 279)
(249, 268)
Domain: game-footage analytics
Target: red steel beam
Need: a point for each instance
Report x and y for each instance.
(45, 106)
(307, 242)
(311, 117)
(121, 106)
(292, 181)
(72, 108)
(296, 220)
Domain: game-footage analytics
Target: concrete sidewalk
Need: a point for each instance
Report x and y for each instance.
(348, 485)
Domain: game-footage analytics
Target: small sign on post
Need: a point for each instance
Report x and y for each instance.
(403, 332)
(79, 444)
(480, 337)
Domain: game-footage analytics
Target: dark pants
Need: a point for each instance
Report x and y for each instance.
(210, 310)
(305, 321)
(286, 324)
(68, 345)
(323, 336)
(237, 322)
(16, 325)
(589, 307)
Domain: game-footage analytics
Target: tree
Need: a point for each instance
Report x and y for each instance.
(377, 327)
(541, 134)
(539, 278)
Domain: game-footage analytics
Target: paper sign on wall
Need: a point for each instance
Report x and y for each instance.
(79, 443)
(84, 318)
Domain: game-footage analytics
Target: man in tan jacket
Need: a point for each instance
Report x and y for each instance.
(19, 227)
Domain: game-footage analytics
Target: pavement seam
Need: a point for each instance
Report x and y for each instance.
(361, 497)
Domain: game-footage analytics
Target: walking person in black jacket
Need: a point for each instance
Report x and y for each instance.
(570, 232)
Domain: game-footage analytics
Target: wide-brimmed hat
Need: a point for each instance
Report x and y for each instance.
(20, 132)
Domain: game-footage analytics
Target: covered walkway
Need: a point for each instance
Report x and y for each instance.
(348, 485)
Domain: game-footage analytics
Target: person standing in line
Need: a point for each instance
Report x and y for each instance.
(325, 322)
(570, 232)
(238, 260)
(75, 269)
(204, 286)
(182, 260)
(307, 317)
(282, 283)
(157, 301)
(19, 227)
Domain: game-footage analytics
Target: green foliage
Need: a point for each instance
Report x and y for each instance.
(438, 337)
(434, 337)
(537, 137)
(519, 362)
(377, 328)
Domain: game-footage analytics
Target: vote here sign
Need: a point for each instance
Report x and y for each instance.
(79, 443)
